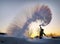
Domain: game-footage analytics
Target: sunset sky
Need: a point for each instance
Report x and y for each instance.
(9, 10)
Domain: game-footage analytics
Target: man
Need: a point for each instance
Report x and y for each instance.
(41, 32)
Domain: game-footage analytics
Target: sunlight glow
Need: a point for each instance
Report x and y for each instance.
(34, 29)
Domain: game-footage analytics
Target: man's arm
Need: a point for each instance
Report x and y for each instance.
(44, 34)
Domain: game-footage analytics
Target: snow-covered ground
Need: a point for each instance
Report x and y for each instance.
(14, 40)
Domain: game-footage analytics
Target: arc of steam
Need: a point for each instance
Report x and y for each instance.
(41, 14)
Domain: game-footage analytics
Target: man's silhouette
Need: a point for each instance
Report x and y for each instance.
(41, 32)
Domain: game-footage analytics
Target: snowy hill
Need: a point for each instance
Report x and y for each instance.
(13, 40)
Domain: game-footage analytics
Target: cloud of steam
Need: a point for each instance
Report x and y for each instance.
(41, 13)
